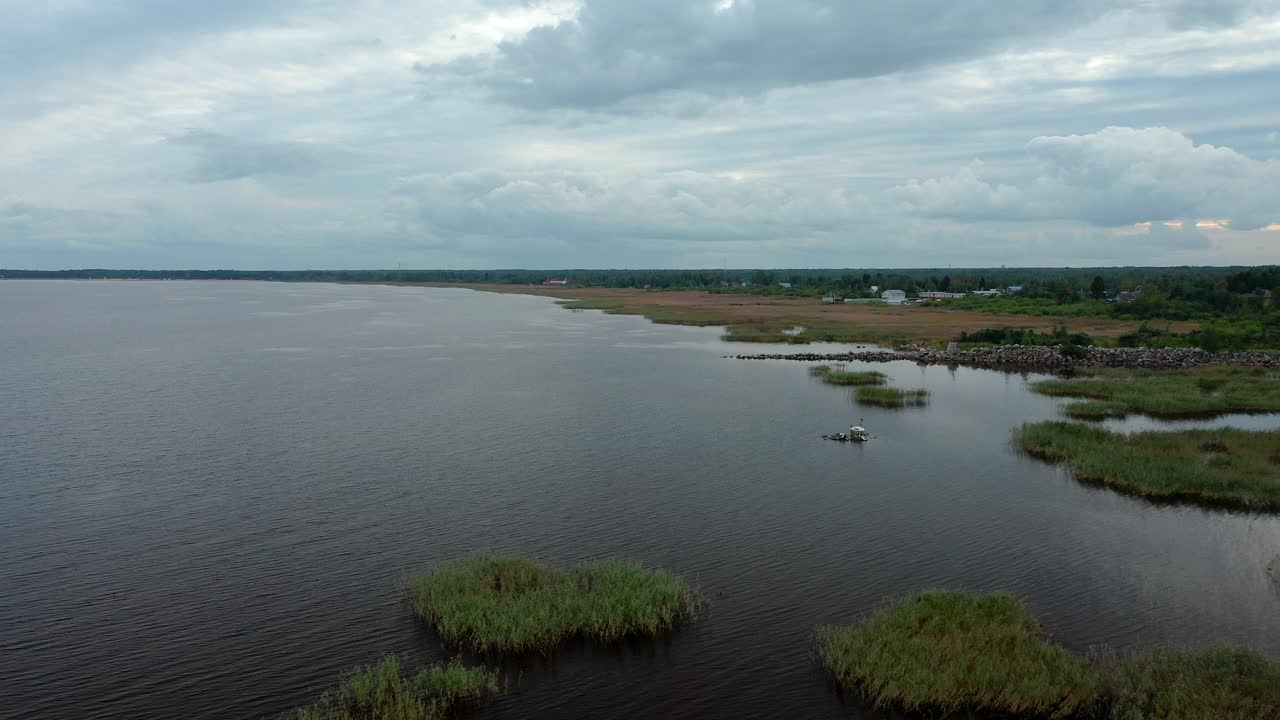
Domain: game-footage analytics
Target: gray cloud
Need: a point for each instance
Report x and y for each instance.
(1189, 14)
(1116, 176)
(220, 157)
(656, 133)
(686, 206)
(25, 227)
(619, 49)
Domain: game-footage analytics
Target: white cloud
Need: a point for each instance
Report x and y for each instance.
(1116, 176)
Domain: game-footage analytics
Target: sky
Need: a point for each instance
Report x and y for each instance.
(295, 134)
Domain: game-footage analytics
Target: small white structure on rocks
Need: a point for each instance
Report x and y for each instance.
(893, 297)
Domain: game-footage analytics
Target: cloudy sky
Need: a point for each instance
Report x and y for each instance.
(625, 133)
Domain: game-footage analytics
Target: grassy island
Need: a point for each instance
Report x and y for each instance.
(891, 397)
(831, 376)
(380, 691)
(1222, 683)
(1208, 390)
(948, 651)
(516, 604)
(1228, 467)
(942, 652)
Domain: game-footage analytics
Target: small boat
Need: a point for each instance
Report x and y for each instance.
(856, 433)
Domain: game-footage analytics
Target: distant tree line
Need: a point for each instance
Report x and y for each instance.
(1231, 302)
(1052, 283)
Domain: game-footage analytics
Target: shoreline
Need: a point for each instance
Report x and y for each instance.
(1040, 358)
(780, 320)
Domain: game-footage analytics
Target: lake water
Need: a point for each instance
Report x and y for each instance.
(209, 494)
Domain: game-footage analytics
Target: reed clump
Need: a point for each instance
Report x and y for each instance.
(942, 652)
(1191, 392)
(1223, 683)
(945, 652)
(381, 691)
(1225, 466)
(891, 397)
(515, 604)
(831, 376)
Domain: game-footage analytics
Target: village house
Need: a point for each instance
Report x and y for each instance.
(1126, 296)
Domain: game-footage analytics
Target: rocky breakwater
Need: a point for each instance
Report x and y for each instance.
(1041, 358)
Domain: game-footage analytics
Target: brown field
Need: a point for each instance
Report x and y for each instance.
(756, 318)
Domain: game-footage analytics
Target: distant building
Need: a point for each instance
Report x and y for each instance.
(831, 299)
(936, 295)
(1012, 289)
(1126, 296)
(875, 289)
(988, 293)
(893, 297)
(785, 285)
(555, 282)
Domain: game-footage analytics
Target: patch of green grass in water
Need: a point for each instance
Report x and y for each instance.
(943, 652)
(1221, 683)
(830, 376)
(891, 397)
(514, 604)
(380, 691)
(1222, 466)
(1203, 391)
(948, 651)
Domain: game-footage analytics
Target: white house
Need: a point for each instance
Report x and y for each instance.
(893, 297)
(987, 293)
(936, 295)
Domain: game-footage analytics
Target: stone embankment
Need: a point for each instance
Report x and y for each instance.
(1042, 358)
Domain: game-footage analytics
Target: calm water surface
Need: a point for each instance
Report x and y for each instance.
(209, 494)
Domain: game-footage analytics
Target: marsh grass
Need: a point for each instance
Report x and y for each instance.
(832, 376)
(948, 652)
(381, 691)
(941, 652)
(515, 604)
(891, 397)
(1203, 391)
(1222, 683)
(1221, 466)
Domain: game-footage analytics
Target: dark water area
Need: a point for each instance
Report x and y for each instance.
(210, 492)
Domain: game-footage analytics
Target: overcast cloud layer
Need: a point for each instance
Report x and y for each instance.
(605, 133)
